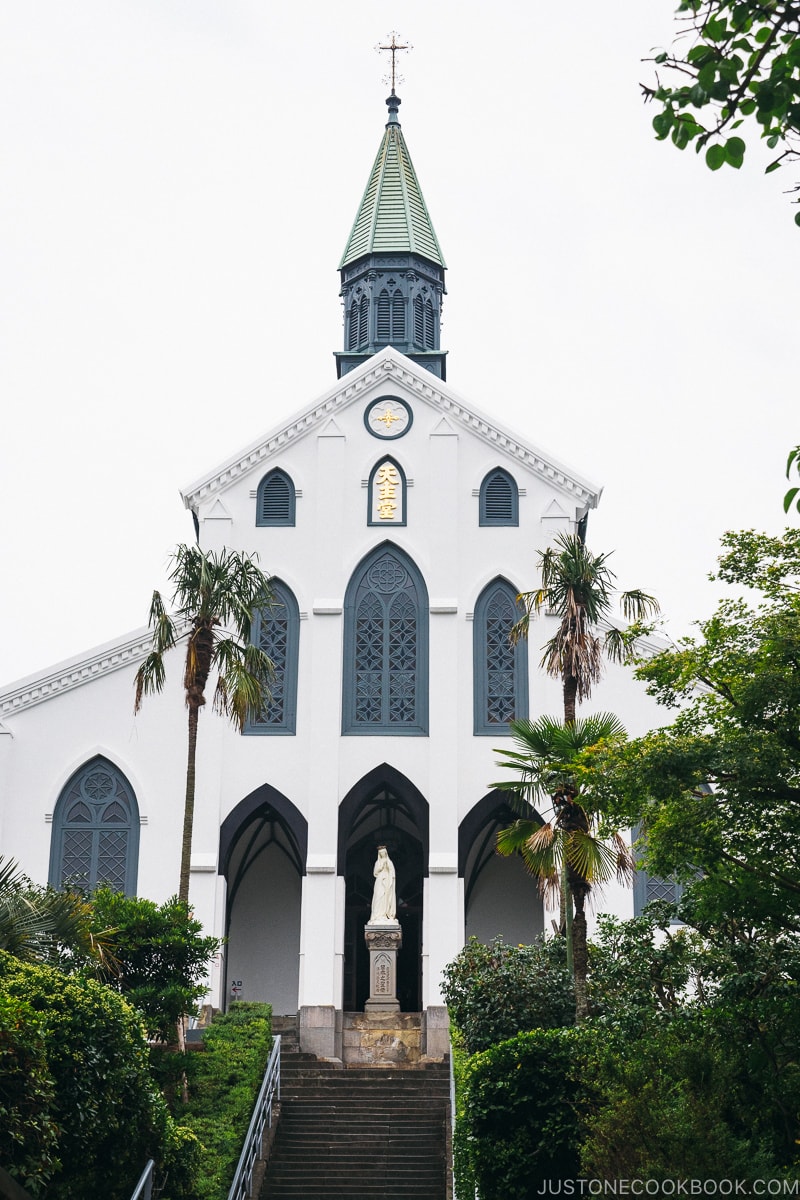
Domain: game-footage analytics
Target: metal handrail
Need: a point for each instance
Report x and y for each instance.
(144, 1188)
(252, 1150)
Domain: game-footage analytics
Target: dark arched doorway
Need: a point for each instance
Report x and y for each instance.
(384, 808)
(263, 845)
(501, 899)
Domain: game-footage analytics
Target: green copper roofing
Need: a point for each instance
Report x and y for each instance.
(392, 217)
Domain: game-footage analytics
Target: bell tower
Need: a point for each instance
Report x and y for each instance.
(392, 269)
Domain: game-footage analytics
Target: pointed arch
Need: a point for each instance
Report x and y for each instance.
(500, 897)
(499, 499)
(383, 808)
(276, 631)
(500, 670)
(275, 499)
(95, 836)
(385, 675)
(384, 324)
(262, 856)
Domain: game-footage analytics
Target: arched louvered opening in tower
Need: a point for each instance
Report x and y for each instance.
(499, 499)
(352, 327)
(419, 322)
(363, 322)
(275, 504)
(384, 329)
(398, 316)
(429, 341)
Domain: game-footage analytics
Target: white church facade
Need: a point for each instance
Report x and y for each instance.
(399, 522)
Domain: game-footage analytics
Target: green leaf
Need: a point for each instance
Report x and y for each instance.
(661, 58)
(788, 499)
(734, 152)
(762, 35)
(715, 157)
(773, 166)
(797, 218)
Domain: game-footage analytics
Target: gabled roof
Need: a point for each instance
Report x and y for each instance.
(391, 369)
(392, 217)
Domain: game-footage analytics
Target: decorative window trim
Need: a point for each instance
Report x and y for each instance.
(78, 792)
(517, 660)
(395, 492)
(485, 516)
(287, 724)
(357, 592)
(262, 520)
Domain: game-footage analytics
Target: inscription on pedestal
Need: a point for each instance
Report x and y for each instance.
(383, 942)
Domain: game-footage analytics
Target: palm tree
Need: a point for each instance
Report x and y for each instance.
(214, 598)
(42, 925)
(557, 759)
(576, 586)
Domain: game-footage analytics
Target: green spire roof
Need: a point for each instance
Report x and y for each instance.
(392, 217)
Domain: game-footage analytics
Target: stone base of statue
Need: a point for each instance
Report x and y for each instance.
(383, 941)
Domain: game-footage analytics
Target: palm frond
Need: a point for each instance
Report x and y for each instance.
(638, 605)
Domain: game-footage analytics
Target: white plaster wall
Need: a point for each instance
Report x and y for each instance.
(444, 462)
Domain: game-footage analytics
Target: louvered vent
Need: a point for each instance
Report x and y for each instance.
(419, 322)
(383, 316)
(428, 325)
(352, 331)
(276, 500)
(363, 336)
(398, 317)
(498, 500)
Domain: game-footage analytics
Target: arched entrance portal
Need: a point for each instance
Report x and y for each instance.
(500, 897)
(263, 845)
(384, 808)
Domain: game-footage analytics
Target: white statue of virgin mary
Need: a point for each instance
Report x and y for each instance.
(384, 903)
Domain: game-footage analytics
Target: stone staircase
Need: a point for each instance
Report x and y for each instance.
(356, 1132)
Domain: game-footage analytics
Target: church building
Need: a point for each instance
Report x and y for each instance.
(399, 522)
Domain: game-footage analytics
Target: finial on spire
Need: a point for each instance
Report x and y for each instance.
(393, 48)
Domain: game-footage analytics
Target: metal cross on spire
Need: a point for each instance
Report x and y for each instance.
(393, 48)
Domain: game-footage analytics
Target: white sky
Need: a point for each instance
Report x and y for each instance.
(179, 179)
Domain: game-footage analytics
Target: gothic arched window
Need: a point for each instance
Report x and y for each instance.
(428, 325)
(276, 631)
(500, 669)
(96, 831)
(275, 503)
(499, 499)
(386, 646)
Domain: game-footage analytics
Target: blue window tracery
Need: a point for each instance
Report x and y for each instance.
(386, 647)
(96, 831)
(500, 669)
(276, 631)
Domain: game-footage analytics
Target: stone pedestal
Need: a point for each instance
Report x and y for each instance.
(383, 941)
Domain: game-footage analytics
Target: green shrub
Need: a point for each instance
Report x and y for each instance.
(669, 1104)
(225, 1081)
(493, 992)
(523, 1100)
(163, 959)
(28, 1133)
(109, 1115)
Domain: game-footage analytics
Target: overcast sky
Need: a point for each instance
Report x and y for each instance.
(178, 181)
